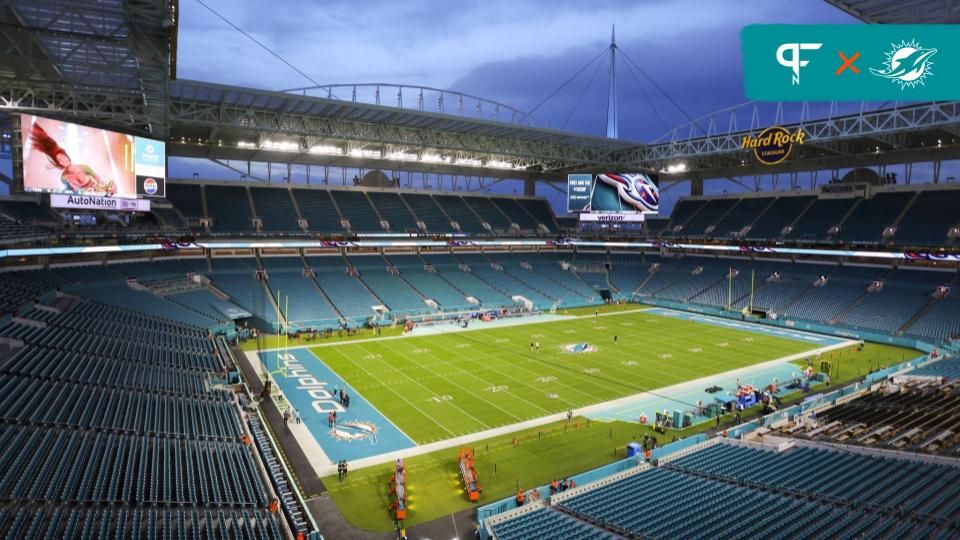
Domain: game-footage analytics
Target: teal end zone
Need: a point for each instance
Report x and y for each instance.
(361, 430)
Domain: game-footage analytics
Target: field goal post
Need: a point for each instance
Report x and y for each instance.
(283, 340)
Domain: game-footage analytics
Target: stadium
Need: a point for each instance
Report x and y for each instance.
(399, 311)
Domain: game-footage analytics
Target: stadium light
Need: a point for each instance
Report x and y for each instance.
(403, 156)
(470, 162)
(245, 144)
(360, 152)
(326, 149)
(282, 146)
(434, 158)
(675, 168)
(499, 165)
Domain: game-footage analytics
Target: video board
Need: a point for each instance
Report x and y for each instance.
(613, 193)
(62, 157)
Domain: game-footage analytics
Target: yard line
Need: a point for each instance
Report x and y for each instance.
(528, 385)
(409, 358)
(481, 422)
(398, 394)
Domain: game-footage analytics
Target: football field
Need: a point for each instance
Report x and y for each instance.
(436, 387)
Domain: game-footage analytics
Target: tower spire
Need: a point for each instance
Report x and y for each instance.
(612, 120)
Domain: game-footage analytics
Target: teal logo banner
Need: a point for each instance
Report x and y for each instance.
(851, 62)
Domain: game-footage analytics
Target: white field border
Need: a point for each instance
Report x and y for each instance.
(323, 466)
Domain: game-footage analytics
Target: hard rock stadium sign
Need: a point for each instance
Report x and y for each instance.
(774, 144)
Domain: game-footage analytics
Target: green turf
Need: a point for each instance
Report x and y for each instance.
(848, 363)
(433, 483)
(442, 386)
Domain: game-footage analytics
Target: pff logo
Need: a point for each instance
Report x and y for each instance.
(794, 62)
(907, 64)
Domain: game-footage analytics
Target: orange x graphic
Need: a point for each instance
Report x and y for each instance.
(848, 63)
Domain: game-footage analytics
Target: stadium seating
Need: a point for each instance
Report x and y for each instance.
(317, 208)
(904, 294)
(430, 284)
(426, 209)
(868, 220)
(393, 209)
(188, 199)
(740, 216)
(488, 212)
(505, 282)
(926, 222)
(888, 485)
(816, 222)
(249, 293)
(461, 213)
(229, 207)
(200, 300)
(540, 210)
(396, 293)
(547, 523)
(949, 368)
(301, 301)
(118, 294)
(352, 298)
(170, 217)
(940, 321)
(25, 211)
(703, 222)
(784, 211)
(356, 208)
(274, 207)
(515, 213)
(683, 211)
(470, 285)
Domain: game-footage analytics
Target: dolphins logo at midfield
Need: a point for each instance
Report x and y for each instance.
(637, 190)
(355, 430)
(907, 64)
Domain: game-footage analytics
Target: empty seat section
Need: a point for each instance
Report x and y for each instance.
(318, 210)
(229, 208)
(783, 212)
(394, 291)
(169, 216)
(515, 212)
(816, 222)
(740, 216)
(540, 210)
(249, 293)
(426, 210)
(301, 301)
(685, 209)
(394, 210)
(355, 207)
(903, 295)
(187, 199)
(929, 218)
(868, 220)
(282, 264)
(275, 209)
(200, 300)
(941, 321)
(460, 213)
(488, 212)
(348, 293)
(707, 217)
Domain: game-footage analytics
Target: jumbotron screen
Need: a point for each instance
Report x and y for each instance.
(613, 193)
(61, 157)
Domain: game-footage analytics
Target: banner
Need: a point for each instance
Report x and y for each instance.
(612, 218)
(851, 62)
(96, 202)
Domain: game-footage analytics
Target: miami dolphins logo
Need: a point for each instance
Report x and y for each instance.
(355, 430)
(907, 64)
(579, 348)
(637, 190)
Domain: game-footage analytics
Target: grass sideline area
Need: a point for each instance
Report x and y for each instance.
(433, 481)
(849, 364)
(441, 386)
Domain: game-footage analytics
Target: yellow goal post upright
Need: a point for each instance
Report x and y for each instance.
(283, 337)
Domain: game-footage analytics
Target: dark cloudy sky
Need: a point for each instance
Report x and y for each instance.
(513, 51)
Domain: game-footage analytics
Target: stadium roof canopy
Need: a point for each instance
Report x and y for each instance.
(902, 11)
(105, 61)
(110, 63)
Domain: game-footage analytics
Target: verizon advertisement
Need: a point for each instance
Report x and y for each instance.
(96, 202)
(61, 157)
(612, 218)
